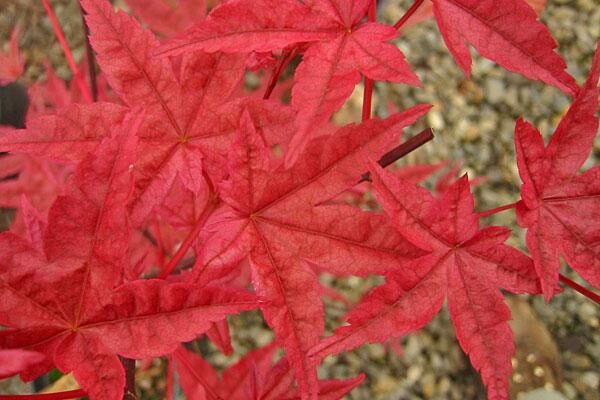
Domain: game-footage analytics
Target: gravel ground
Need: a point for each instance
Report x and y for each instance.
(474, 122)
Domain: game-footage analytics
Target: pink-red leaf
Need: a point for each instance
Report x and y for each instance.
(557, 204)
(505, 31)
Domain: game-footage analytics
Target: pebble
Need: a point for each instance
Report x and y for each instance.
(542, 394)
(591, 379)
(494, 90)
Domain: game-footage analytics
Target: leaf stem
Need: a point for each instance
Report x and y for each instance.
(409, 13)
(584, 291)
(286, 56)
(211, 205)
(368, 91)
(70, 394)
(496, 210)
(68, 54)
(400, 151)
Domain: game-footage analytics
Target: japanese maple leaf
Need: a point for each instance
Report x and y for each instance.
(505, 31)
(184, 131)
(274, 216)
(254, 377)
(67, 135)
(340, 50)
(425, 11)
(558, 204)
(467, 264)
(64, 302)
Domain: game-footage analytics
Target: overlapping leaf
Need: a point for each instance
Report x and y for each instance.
(274, 216)
(467, 265)
(63, 302)
(505, 31)
(558, 205)
(254, 377)
(340, 51)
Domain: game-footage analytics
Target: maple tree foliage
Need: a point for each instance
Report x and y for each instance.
(185, 195)
(557, 204)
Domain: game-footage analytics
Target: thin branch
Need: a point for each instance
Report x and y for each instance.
(400, 151)
(409, 13)
(211, 205)
(129, 366)
(496, 210)
(368, 91)
(71, 394)
(286, 56)
(584, 291)
(68, 54)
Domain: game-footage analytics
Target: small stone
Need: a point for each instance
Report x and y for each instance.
(579, 361)
(494, 90)
(569, 390)
(444, 386)
(542, 394)
(591, 379)
(414, 373)
(586, 311)
(428, 385)
(435, 120)
(412, 348)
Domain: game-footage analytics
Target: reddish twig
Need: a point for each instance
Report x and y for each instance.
(400, 151)
(71, 394)
(584, 291)
(286, 56)
(409, 13)
(68, 54)
(211, 205)
(129, 367)
(368, 92)
(496, 210)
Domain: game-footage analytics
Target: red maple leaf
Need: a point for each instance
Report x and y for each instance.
(467, 265)
(254, 377)
(274, 216)
(505, 31)
(68, 302)
(185, 129)
(340, 50)
(425, 11)
(557, 204)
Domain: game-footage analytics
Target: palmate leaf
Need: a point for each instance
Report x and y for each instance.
(340, 49)
(558, 205)
(274, 216)
(254, 377)
(184, 127)
(467, 265)
(505, 31)
(68, 303)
